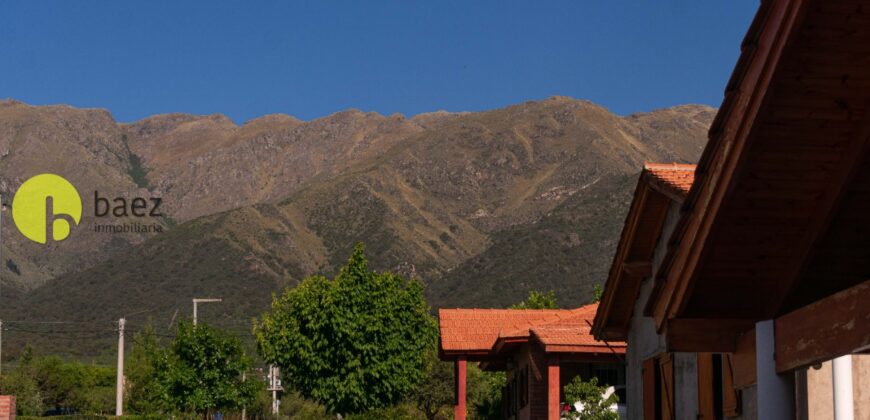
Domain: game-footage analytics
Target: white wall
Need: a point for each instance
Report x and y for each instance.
(643, 342)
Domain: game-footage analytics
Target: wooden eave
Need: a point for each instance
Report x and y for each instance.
(777, 216)
(632, 262)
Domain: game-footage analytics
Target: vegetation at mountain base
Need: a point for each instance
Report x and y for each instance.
(199, 371)
(51, 385)
(538, 300)
(142, 387)
(354, 343)
(486, 403)
(597, 292)
(202, 371)
(481, 207)
(591, 397)
(434, 396)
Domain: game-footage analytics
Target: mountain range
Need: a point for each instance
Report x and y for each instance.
(480, 206)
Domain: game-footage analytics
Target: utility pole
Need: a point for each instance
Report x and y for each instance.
(202, 300)
(119, 384)
(244, 408)
(275, 386)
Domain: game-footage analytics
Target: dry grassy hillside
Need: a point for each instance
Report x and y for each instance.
(480, 206)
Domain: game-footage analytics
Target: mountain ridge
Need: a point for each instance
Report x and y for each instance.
(481, 206)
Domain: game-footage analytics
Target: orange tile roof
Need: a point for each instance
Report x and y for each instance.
(478, 330)
(676, 178)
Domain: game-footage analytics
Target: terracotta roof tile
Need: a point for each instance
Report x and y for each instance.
(676, 178)
(478, 330)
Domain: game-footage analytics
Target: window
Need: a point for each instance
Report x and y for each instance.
(717, 397)
(606, 376)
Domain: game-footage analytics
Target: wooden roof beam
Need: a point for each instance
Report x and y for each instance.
(705, 335)
(728, 135)
(823, 330)
(824, 211)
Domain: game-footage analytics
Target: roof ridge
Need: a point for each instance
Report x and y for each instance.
(669, 166)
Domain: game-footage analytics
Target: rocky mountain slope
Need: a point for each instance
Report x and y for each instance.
(481, 206)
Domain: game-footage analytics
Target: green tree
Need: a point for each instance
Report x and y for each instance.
(538, 300)
(485, 393)
(201, 372)
(88, 389)
(434, 396)
(142, 388)
(296, 407)
(22, 384)
(591, 396)
(53, 383)
(597, 292)
(355, 343)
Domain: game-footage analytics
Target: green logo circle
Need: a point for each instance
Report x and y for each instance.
(46, 203)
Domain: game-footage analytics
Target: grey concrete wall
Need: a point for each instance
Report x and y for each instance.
(748, 401)
(686, 386)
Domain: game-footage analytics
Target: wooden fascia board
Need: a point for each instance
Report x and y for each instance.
(831, 327)
(641, 194)
(705, 335)
(450, 355)
(779, 24)
(503, 342)
(638, 269)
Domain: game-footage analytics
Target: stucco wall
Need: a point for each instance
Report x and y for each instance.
(643, 342)
(820, 390)
(861, 385)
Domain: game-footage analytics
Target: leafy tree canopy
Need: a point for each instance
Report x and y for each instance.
(142, 387)
(538, 300)
(51, 383)
(597, 291)
(354, 343)
(202, 371)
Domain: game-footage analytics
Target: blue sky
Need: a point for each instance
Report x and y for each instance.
(310, 59)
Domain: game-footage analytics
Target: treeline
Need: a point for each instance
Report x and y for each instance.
(51, 385)
(362, 345)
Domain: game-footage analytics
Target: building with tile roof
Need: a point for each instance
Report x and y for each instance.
(540, 349)
(738, 285)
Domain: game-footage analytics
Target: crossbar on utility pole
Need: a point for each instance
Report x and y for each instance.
(275, 386)
(119, 382)
(202, 300)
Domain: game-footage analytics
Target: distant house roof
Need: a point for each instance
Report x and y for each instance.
(483, 332)
(672, 178)
(659, 186)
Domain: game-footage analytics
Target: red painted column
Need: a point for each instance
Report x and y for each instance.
(459, 374)
(554, 408)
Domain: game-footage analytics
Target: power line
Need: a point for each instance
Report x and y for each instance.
(57, 322)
